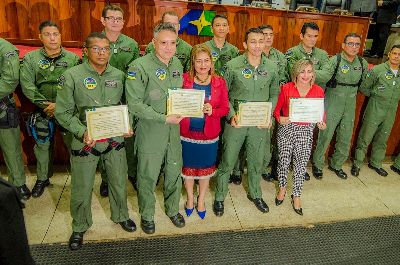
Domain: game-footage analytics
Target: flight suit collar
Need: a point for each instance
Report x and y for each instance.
(120, 39)
(387, 66)
(300, 46)
(44, 53)
(262, 62)
(158, 61)
(90, 68)
(342, 54)
(215, 46)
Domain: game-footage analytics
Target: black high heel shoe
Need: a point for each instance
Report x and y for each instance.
(279, 202)
(298, 211)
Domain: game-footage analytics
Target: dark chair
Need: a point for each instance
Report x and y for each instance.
(296, 3)
(327, 6)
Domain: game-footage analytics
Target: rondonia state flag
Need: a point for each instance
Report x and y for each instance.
(197, 22)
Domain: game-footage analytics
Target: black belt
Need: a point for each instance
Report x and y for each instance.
(343, 84)
(86, 150)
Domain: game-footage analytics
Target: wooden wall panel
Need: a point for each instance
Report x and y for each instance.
(78, 18)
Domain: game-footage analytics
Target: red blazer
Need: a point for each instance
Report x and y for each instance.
(220, 107)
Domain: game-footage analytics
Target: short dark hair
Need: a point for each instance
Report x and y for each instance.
(252, 30)
(94, 35)
(163, 26)
(219, 16)
(111, 8)
(47, 23)
(351, 35)
(396, 46)
(171, 13)
(309, 25)
(266, 27)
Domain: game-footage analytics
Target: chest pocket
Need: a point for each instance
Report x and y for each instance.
(113, 91)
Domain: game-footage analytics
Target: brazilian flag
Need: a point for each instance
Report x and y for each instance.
(197, 22)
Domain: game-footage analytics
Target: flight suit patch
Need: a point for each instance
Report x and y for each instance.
(357, 68)
(388, 75)
(247, 73)
(161, 73)
(381, 87)
(345, 69)
(226, 57)
(125, 49)
(289, 54)
(90, 83)
(315, 61)
(10, 54)
(61, 64)
(131, 75)
(180, 56)
(214, 56)
(176, 73)
(262, 72)
(44, 64)
(110, 83)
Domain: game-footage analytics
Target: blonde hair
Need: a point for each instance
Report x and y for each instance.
(300, 66)
(193, 54)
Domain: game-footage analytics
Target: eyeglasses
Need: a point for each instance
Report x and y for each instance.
(100, 49)
(353, 44)
(115, 19)
(49, 34)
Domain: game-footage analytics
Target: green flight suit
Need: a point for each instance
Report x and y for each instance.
(39, 76)
(221, 56)
(246, 83)
(82, 88)
(183, 50)
(382, 87)
(124, 51)
(397, 162)
(280, 60)
(340, 106)
(294, 54)
(147, 83)
(10, 141)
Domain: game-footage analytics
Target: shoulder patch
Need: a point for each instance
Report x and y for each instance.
(131, 75)
(289, 54)
(61, 82)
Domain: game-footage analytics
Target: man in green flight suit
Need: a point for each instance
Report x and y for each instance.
(157, 134)
(249, 77)
(306, 50)
(124, 50)
(183, 48)
(93, 84)
(341, 76)
(221, 50)
(10, 141)
(280, 60)
(382, 86)
(39, 76)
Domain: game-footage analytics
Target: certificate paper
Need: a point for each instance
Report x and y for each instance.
(186, 102)
(306, 110)
(254, 113)
(106, 122)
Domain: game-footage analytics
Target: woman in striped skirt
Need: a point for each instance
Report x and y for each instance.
(295, 138)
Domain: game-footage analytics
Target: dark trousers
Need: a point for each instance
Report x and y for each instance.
(380, 36)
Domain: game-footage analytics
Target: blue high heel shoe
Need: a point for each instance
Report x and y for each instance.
(202, 214)
(188, 211)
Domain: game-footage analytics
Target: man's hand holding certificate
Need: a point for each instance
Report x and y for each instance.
(310, 110)
(186, 102)
(107, 122)
(257, 114)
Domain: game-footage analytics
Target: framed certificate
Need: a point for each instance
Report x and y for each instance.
(186, 102)
(106, 122)
(306, 110)
(254, 113)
